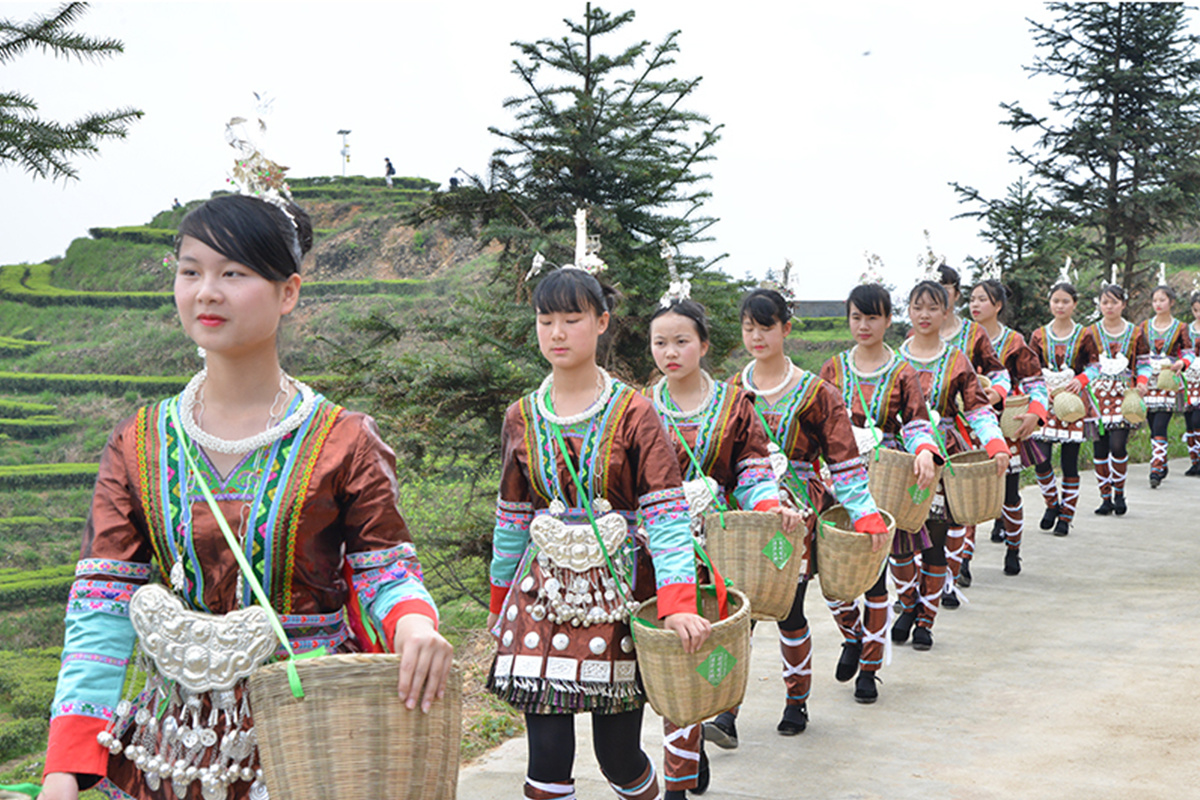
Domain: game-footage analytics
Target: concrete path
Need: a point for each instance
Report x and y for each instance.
(1077, 678)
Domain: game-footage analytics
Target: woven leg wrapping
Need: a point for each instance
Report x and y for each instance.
(1103, 477)
(1158, 453)
(933, 581)
(969, 552)
(795, 648)
(1014, 525)
(681, 756)
(955, 546)
(537, 790)
(845, 615)
(1070, 498)
(1046, 484)
(644, 788)
(1117, 469)
(1192, 438)
(904, 574)
(876, 644)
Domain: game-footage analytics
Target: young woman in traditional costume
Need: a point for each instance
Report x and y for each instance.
(946, 378)
(717, 435)
(310, 490)
(1191, 406)
(1167, 338)
(562, 571)
(1065, 349)
(1122, 347)
(988, 299)
(807, 422)
(966, 335)
(883, 394)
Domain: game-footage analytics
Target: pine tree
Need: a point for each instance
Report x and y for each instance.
(43, 147)
(1118, 157)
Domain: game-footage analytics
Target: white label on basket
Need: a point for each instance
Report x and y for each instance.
(527, 667)
(561, 668)
(595, 671)
(626, 671)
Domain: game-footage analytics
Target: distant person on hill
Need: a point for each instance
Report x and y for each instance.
(176, 204)
(453, 184)
(388, 171)
(310, 490)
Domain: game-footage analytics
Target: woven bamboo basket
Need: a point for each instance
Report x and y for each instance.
(1069, 407)
(974, 490)
(351, 737)
(1133, 407)
(674, 684)
(1167, 381)
(893, 484)
(739, 552)
(848, 566)
(1015, 405)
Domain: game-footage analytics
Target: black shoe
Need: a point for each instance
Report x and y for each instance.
(1119, 507)
(1156, 477)
(949, 600)
(1194, 470)
(848, 662)
(795, 720)
(922, 639)
(675, 794)
(864, 687)
(998, 531)
(705, 774)
(964, 574)
(902, 626)
(1062, 527)
(1012, 562)
(1106, 507)
(722, 731)
(1049, 517)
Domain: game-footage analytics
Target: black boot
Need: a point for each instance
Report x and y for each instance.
(705, 775)
(1012, 562)
(1193, 470)
(998, 530)
(1119, 507)
(922, 639)
(1105, 507)
(1062, 527)
(964, 574)
(902, 626)
(795, 720)
(949, 600)
(722, 731)
(848, 662)
(1049, 517)
(864, 687)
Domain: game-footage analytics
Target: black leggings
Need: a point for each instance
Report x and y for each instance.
(1159, 421)
(935, 556)
(1114, 442)
(1193, 419)
(795, 619)
(1012, 489)
(1068, 455)
(617, 742)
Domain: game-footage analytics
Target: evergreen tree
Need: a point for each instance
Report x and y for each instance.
(1118, 157)
(1028, 244)
(43, 147)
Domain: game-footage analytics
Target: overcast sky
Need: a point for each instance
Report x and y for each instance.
(843, 121)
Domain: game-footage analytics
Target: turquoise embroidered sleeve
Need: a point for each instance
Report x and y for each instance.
(385, 578)
(916, 433)
(510, 538)
(850, 488)
(984, 423)
(665, 515)
(755, 483)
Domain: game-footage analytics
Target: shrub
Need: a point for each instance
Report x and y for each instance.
(141, 234)
(18, 408)
(47, 476)
(21, 737)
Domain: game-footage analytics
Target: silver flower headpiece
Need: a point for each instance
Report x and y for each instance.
(1066, 274)
(1162, 273)
(874, 271)
(679, 288)
(1112, 274)
(254, 174)
(991, 270)
(586, 248)
(784, 285)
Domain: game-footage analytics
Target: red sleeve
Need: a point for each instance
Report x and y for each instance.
(73, 747)
(995, 447)
(497, 599)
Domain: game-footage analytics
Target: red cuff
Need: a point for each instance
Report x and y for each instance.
(871, 523)
(1083, 380)
(932, 448)
(995, 447)
(403, 609)
(1038, 409)
(766, 505)
(1143, 380)
(497, 601)
(73, 747)
(676, 598)
(1000, 390)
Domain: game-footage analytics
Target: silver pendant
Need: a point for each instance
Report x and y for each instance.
(177, 576)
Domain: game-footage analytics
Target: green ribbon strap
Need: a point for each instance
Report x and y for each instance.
(31, 789)
(243, 564)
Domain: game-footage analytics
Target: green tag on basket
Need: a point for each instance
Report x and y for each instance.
(718, 664)
(918, 495)
(779, 550)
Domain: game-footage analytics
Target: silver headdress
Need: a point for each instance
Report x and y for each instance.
(254, 174)
(991, 270)
(586, 248)
(1113, 276)
(1065, 274)
(679, 288)
(784, 285)
(1162, 273)
(874, 271)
